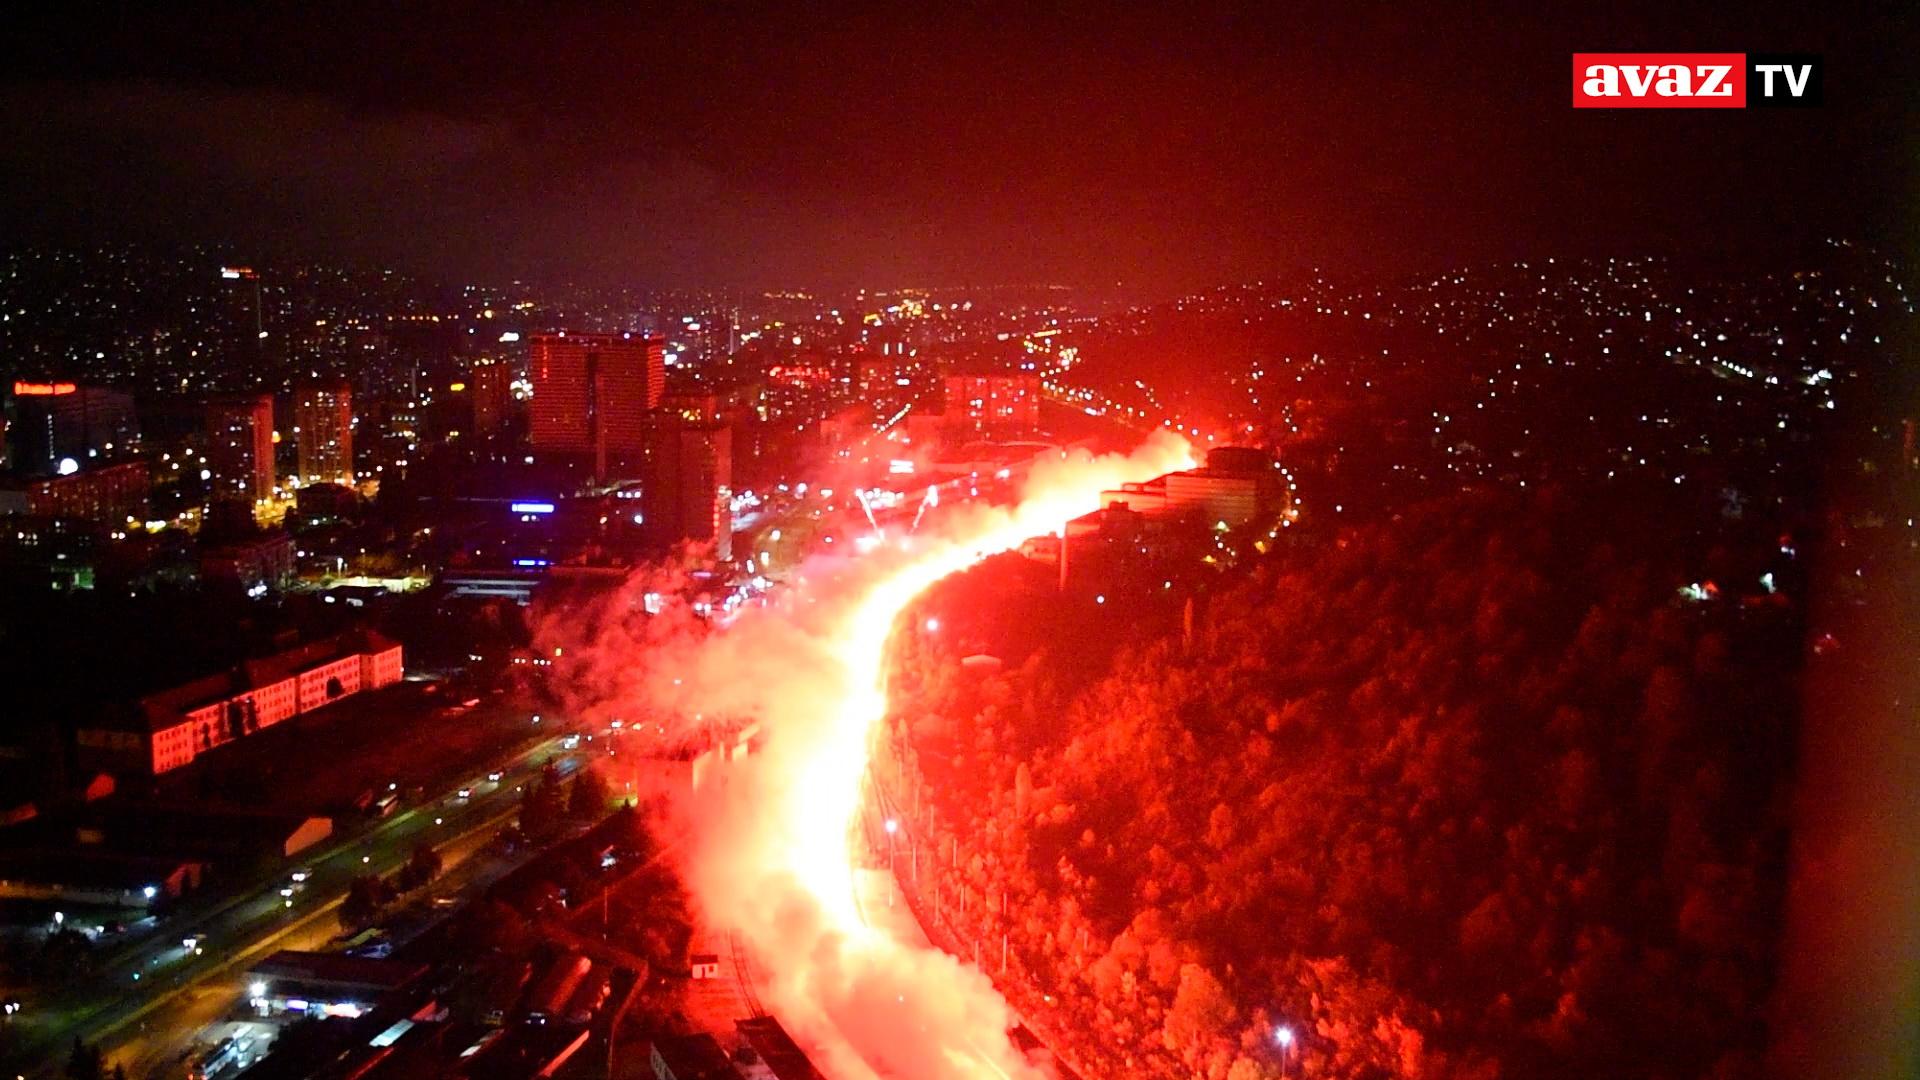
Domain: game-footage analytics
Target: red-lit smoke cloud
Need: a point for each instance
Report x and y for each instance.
(772, 853)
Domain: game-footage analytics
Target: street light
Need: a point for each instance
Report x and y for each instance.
(893, 827)
(1284, 1036)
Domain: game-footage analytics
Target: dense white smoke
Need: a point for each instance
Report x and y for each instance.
(773, 854)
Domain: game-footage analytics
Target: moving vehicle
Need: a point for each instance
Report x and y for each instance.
(230, 1054)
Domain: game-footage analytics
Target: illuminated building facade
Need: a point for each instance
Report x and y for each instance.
(689, 484)
(994, 403)
(323, 413)
(57, 421)
(241, 329)
(240, 448)
(109, 495)
(592, 394)
(257, 563)
(893, 377)
(170, 729)
(490, 394)
(1238, 485)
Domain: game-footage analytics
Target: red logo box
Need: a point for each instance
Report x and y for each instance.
(1659, 80)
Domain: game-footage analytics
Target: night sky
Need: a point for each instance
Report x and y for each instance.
(935, 144)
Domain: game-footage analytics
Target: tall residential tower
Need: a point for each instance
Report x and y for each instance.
(592, 394)
(323, 418)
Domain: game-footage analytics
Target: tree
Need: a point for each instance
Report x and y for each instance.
(365, 897)
(422, 867)
(542, 805)
(588, 795)
(1201, 1011)
(85, 1062)
(493, 925)
(1220, 827)
(67, 954)
(1436, 777)
(1245, 1068)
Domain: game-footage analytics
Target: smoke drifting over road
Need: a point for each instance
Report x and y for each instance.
(773, 852)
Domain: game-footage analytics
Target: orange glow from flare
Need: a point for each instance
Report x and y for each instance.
(784, 871)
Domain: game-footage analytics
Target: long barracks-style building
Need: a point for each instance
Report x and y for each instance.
(169, 729)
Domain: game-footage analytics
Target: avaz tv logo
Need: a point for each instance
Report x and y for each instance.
(1696, 80)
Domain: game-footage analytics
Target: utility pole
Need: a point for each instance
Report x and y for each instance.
(1063, 558)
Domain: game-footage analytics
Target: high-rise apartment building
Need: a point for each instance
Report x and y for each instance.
(689, 482)
(994, 402)
(240, 327)
(240, 448)
(592, 394)
(323, 417)
(490, 394)
(54, 421)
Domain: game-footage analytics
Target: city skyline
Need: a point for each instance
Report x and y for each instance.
(1095, 543)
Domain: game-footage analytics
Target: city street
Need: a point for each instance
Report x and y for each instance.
(170, 991)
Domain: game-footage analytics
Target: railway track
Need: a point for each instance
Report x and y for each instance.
(743, 972)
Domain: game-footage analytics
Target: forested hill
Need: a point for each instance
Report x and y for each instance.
(1476, 792)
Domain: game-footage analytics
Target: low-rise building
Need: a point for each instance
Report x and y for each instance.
(109, 494)
(266, 560)
(169, 729)
(691, 1057)
(325, 984)
(1238, 485)
(776, 1049)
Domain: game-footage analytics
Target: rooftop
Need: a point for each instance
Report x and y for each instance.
(337, 969)
(694, 1057)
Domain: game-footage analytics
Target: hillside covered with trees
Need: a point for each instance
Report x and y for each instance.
(1476, 792)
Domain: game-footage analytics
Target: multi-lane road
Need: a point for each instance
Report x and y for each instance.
(151, 999)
